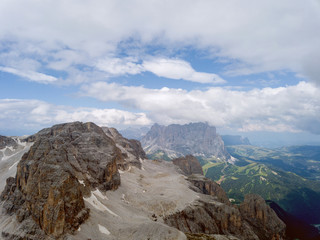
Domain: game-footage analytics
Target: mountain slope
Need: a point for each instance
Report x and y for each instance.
(295, 194)
(302, 160)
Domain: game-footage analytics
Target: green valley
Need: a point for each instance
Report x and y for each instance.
(257, 172)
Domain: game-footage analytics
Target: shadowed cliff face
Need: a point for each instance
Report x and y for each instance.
(179, 140)
(65, 162)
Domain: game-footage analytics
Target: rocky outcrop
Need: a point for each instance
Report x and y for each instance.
(209, 187)
(188, 164)
(262, 218)
(64, 164)
(180, 140)
(131, 150)
(253, 219)
(211, 217)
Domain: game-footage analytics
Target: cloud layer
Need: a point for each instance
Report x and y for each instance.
(32, 115)
(292, 108)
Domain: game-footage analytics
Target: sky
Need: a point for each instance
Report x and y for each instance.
(243, 66)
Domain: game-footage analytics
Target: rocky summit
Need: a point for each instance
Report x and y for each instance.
(198, 139)
(64, 163)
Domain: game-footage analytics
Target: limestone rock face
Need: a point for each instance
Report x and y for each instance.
(131, 150)
(188, 164)
(64, 163)
(180, 140)
(262, 218)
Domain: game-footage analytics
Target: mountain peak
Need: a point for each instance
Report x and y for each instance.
(199, 139)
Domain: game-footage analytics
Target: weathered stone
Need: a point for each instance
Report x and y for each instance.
(131, 150)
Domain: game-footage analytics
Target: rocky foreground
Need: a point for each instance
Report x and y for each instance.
(79, 181)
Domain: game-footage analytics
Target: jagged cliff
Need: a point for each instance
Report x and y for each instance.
(176, 140)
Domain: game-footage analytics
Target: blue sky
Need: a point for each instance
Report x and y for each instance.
(245, 67)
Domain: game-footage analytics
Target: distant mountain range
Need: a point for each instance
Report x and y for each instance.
(198, 139)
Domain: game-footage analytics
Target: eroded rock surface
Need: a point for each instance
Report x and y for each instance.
(64, 163)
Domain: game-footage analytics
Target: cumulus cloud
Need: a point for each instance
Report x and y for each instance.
(280, 109)
(250, 36)
(30, 75)
(32, 115)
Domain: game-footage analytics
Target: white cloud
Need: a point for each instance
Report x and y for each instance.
(291, 108)
(118, 66)
(32, 115)
(30, 75)
(259, 35)
(179, 69)
(163, 67)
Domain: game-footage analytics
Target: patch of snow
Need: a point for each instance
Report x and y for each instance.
(79, 229)
(102, 229)
(120, 171)
(81, 182)
(7, 157)
(99, 194)
(142, 168)
(98, 205)
(13, 165)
